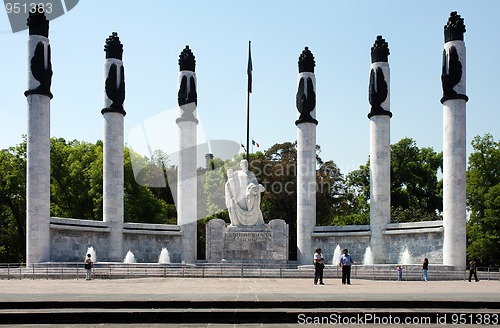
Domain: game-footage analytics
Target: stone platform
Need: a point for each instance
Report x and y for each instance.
(233, 301)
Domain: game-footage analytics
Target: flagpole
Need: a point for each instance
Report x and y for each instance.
(248, 126)
(249, 90)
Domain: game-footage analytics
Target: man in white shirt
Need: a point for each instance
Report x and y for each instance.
(319, 265)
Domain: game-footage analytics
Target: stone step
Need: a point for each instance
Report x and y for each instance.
(63, 312)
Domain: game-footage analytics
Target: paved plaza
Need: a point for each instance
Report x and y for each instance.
(244, 289)
(163, 302)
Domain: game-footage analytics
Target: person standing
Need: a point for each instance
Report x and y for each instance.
(473, 269)
(425, 267)
(400, 273)
(319, 265)
(346, 262)
(88, 267)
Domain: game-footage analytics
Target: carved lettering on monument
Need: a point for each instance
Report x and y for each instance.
(249, 236)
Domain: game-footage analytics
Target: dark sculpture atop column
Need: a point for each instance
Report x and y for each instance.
(187, 60)
(378, 88)
(306, 96)
(115, 81)
(38, 23)
(451, 75)
(454, 28)
(187, 97)
(306, 61)
(113, 47)
(452, 68)
(41, 68)
(380, 50)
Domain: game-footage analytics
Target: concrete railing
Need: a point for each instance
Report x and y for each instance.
(70, 270)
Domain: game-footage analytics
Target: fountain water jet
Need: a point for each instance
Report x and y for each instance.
(336, 255)
(405, 257)
(164, 256)
(91, 251)
(129, 258)
(368, 257)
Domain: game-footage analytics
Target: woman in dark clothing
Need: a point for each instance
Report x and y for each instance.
(425, 266)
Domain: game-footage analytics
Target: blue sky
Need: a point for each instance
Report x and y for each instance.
(339, 33)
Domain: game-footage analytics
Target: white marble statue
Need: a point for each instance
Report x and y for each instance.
(243, 197)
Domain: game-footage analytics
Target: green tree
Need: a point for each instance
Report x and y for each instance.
(416, 191)
(160, 163)
(140, 204)
(13, 204)
(332, 193)
(415, 187)
(76, 179)
(355, 207)
(76, 191)
(483, 200)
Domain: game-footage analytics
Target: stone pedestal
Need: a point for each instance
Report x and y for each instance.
(380, 183)
(38, 141)
(306, 157)
(454, 171)
(113, 146)
(38, 180)
(380, 147)
(251, 244)
(113, 182)
(187, 196)
(454, 143)
(306, 190)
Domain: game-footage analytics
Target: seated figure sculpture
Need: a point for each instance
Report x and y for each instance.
(242, 192)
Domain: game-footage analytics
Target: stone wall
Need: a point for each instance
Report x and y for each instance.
(422, 239)
(70, 239)
(147, 240)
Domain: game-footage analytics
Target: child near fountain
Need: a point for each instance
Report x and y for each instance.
(400, 272)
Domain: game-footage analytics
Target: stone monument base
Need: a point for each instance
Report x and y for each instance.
(248, 244)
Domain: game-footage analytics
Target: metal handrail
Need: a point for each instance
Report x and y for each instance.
(75, 270)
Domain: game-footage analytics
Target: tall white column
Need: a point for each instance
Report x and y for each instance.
(454, 143)
(306, 157)
(380, 148)
(113, 157)
(38, 142)
(186, 170)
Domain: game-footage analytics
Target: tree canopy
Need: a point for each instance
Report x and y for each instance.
(416, 191)
(75, 191)
(483, 200)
